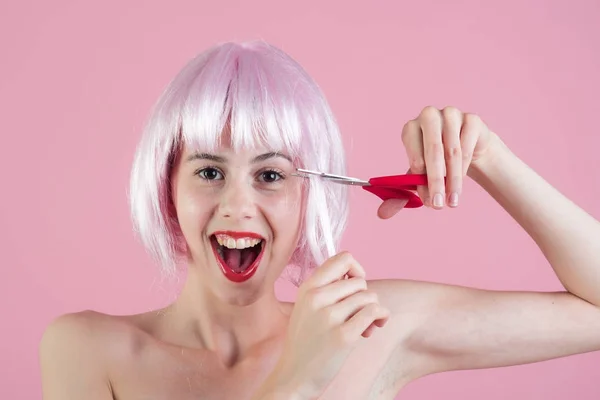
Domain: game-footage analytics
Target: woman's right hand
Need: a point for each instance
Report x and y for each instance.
(334, 311)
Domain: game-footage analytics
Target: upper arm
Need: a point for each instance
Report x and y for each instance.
(71, 363)
(457, 328)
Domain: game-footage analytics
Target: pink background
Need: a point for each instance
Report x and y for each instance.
(77, 82)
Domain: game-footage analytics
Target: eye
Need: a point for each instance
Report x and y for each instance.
(270, 176)
(210, 174)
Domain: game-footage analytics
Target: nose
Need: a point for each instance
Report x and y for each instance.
(237, 201)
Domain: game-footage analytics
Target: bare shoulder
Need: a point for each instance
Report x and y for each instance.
(86, 328)
(71, 333)
(77, 352)
(102, 336)
(82, 323)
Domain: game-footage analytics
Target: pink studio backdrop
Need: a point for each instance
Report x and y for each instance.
(78, 79)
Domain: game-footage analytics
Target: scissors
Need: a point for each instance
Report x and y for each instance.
(384, 187)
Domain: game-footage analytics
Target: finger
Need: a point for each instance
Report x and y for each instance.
(377, 324)
(348, 307)
(431, 125)
(452, 124)
(369, 331)
(412, 138)
(335, 292)
(468, 138)
(335, 268)
(390, 207)
(358, 324)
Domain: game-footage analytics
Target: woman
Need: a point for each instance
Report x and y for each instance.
(213, 186)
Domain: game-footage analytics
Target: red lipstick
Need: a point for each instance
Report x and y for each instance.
(236, 276)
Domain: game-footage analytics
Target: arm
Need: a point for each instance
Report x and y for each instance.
(460, 328)
(444, 328)
(568, 237)
(70, 364)
(465, 328)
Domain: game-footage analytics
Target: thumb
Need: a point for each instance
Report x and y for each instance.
(390, 207)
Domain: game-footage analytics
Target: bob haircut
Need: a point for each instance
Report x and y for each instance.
(267, 99)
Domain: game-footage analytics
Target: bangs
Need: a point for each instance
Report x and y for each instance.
(253, 98)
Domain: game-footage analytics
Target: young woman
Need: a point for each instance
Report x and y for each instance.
(213, 186)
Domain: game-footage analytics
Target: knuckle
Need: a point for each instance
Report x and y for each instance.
(435, 149)
(361, 283)
(343, 336)
(342, 257)
(409, 128)
(453, 152)
(313, 298)
(429, 113)
(451, 112)
(330, 316)
(375, 297)
(472, 119)
(371, 296)
(347, 257)
(371, 310)
(417, 164)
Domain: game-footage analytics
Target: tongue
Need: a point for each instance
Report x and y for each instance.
(233, 258)
(238, 260)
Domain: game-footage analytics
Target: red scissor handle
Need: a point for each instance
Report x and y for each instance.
(398, 187)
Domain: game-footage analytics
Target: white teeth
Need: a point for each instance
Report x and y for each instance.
(242, 243)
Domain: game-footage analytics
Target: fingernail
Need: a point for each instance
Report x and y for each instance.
(438, 200)
(454, 199)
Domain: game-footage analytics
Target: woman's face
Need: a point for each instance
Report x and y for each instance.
(240, 213)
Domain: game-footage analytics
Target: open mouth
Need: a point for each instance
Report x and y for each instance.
(238, 254)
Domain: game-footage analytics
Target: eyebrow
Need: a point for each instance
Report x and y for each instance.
(221, 159)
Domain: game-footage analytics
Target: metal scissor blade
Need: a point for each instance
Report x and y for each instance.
(344, 180)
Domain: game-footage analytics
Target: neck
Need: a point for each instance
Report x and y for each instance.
(227, 326)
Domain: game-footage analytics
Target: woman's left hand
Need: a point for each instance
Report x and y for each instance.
(444, 144)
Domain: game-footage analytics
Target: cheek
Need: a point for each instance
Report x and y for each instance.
(284, 201)
(283, 209)
(194, 211)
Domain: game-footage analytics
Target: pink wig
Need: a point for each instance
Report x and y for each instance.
(268, 99)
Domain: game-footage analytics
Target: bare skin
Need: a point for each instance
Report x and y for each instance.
(343, 338)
